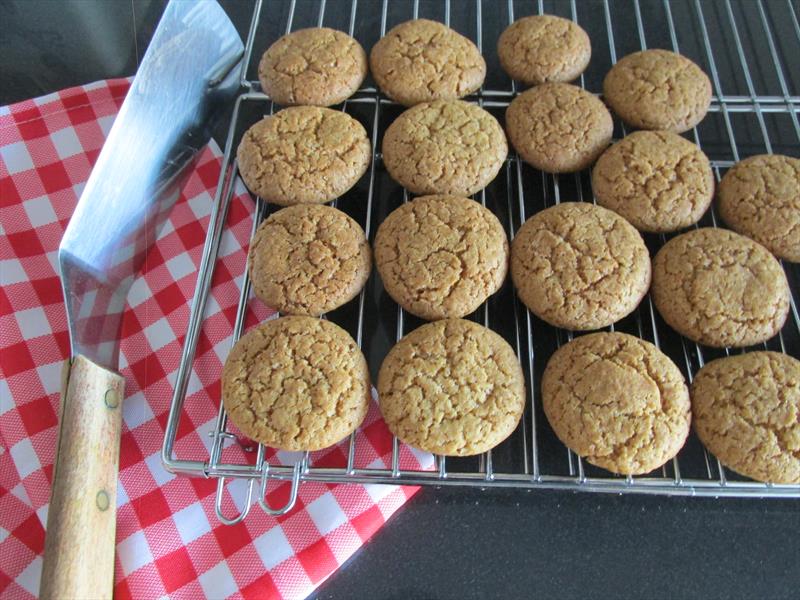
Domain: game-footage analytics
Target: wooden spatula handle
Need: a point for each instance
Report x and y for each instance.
(81, 520)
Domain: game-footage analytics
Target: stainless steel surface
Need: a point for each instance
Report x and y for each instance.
(183, 84)
(761, 119)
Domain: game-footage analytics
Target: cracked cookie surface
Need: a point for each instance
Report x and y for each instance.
(558, 128)
(618, 401)
(421, 60)
(317, 66)
(444, 147)
(308, 259)
(544, 48)
(747, 413)
(658, 89)
(760, 198)
(657, 180)
(441, 256)
(303, 155)
(579, 266)
(296, 383)
(451, 387)
(719, 288)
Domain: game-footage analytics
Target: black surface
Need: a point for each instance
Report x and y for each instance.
(457, 543)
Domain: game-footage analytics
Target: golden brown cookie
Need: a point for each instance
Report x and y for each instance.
(558, 128)
(421, 60)
(544, 48)
(451, 387)
(760, 198)
(308, 259)
(441, 256)
(658, 89)
(719, 288)
(444, 147)
(579, 266)
(317, 66)
(296, 383)
(657, 180)
(746, 411)
(618, 401)
(303, 155)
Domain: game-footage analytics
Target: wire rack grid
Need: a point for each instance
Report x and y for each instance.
(750, 48)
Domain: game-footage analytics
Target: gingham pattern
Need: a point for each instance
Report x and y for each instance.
(169, 541)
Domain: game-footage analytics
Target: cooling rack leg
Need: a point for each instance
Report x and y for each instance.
(218, 503)
(299, 467)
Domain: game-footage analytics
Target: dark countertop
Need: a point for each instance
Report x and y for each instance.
(508, 544)
(458, 543)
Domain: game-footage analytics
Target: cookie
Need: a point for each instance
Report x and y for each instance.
(657, 180)
(658, 89)
(444, 147)
(544, 48)
(303, 155)
(296, 383)
(421, 60)
(747, 413)
(441, 256)
(760, 198)
(308, 259)
(451, 387)
(317, 66)
(719, 288)
(617, 401)
(558, 128)
(579, 266)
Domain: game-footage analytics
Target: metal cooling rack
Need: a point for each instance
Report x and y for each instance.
(749, 48)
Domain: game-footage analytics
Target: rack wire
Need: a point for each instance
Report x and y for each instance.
(738, 45)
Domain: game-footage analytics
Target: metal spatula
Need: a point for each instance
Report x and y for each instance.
(186, 80)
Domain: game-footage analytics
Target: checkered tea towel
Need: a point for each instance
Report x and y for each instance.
(169, 541)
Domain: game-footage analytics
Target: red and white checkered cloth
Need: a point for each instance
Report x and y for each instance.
(169, 541)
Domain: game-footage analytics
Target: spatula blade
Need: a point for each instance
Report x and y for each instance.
(185, 81)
